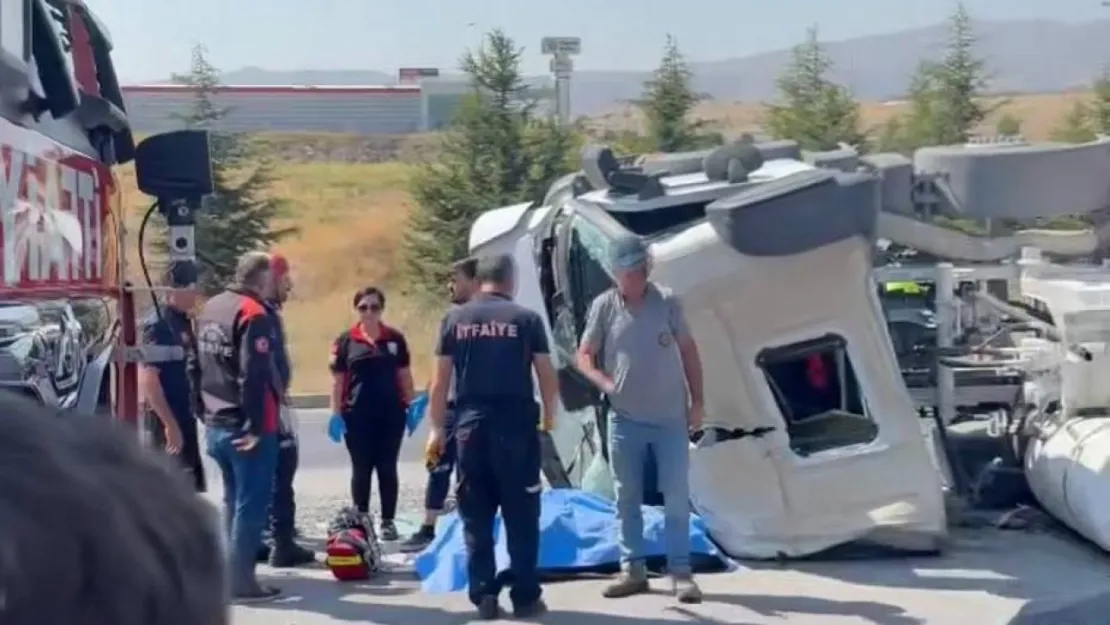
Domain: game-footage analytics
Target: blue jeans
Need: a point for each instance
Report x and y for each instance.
(631, 444)
(248, 490)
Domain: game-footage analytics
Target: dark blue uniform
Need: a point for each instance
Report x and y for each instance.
(492, 342)
(283, 511)
(180, 380)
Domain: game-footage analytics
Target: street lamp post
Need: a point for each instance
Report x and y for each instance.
(562, 50)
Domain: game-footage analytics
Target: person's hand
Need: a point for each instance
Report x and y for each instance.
(433, 449)
(547, 422)
(337, 428)
(174, 439)
(245, 443)
(694, 417)
(608, 387)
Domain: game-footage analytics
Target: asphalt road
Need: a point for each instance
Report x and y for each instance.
(323, 476)
(319, 452)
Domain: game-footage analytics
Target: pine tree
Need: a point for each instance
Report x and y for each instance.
(1099, 108)
(945, 97)
(812, 109)
(238, 217)
(669, 100)
(1075, 126)
(497, 152)
(1008, 125)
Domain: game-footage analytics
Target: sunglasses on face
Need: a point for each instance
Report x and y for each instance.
(369, 307)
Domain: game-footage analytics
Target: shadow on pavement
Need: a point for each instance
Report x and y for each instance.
(1012, 564)
(397, 600)
(781, 606)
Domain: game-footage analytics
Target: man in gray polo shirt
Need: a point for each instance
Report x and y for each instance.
(637, 349)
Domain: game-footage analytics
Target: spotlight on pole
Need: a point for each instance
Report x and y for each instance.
(562, 50)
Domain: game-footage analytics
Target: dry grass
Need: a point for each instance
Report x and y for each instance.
(350, 218)
(352, 210)
(1039, 114)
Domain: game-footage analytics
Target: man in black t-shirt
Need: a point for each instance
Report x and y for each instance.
(491, 345)
(170, 388)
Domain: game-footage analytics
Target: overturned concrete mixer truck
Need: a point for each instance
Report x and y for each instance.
(770, 249)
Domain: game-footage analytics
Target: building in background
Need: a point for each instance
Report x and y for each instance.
(424, 103)
(359, 110)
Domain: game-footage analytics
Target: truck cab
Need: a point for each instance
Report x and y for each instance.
(771, 257)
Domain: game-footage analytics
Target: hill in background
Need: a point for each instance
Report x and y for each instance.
(1066, 55)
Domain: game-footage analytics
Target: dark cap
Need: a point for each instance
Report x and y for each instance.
(180, 274)
(628, 252)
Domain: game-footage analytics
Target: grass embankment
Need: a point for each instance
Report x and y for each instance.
(1039, 114)
(351, 217)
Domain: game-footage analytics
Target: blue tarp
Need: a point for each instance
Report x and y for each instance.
(578, 534)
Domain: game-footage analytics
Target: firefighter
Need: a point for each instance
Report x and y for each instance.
(168, 387)
(283, 551)
(371, 391)
(236, 339)
(491, 345)
(461, 287)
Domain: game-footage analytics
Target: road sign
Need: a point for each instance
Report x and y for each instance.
(561, 45)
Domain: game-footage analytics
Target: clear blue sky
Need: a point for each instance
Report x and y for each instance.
(153, 37)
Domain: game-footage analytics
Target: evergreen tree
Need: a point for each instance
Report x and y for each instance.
(238, 217)
(1075, 126)
(945, 97)
(667, 103)
(497, 152)
(812, 109)
(1086, 119)
(1008, 125)
(1099, 108)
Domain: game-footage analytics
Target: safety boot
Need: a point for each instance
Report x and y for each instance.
(530, 610)
(420, 539)
(629, 583)
(286, 555)
(489, 609)
(255, 593)
(686, 589)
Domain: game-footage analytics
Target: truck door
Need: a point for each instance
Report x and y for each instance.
(579, 269)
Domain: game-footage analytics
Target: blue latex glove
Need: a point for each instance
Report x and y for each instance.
(416, 411)
(337, 428)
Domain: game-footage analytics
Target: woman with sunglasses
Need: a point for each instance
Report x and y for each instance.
(371, 391)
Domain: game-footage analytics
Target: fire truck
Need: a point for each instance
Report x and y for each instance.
(63, 133)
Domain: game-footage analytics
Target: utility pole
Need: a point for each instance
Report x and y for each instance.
(562, 50)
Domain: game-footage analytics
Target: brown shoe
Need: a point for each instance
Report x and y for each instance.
(626, 585)
(686, 590)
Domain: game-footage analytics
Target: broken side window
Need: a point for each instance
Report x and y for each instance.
(816, 389)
